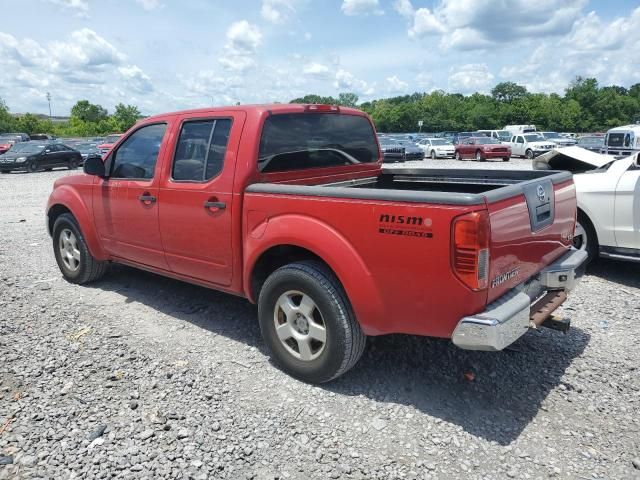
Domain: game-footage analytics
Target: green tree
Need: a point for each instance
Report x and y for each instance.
(508, 92)
(88, 112)
(7, 121)
(348, 99)
(126, 116)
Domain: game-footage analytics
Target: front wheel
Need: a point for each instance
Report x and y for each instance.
(529, 154)
(505, 159)
(433, 155)
(457, 156)
(479, 156)
(308, 324)
(72, 254)
(73, 164)
(32, 166)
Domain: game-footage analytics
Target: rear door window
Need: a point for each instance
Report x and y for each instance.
(299, 141)
(201, 149)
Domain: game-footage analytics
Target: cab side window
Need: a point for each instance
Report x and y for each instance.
(520, 140)
(201, 149)
(136, 157)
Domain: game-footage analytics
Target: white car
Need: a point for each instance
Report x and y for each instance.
(437, 148)
(529, 145)
(608, 193)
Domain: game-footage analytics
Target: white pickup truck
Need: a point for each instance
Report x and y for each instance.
(608, 193)
(529, 145)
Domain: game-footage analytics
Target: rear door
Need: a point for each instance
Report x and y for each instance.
(196, 194)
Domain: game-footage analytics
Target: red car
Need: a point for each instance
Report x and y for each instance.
(109, 142)
(289, 206)
(482, 148)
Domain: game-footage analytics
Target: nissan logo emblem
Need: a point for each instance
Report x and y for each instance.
(541, 193)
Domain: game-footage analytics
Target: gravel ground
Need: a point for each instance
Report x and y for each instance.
(139, 376)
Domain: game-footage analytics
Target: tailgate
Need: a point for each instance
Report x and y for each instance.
(532, 224)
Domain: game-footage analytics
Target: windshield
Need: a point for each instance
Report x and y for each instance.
(388, 141)
(84, 146)
(297, 141)
(26, 148)
(486, 141)
(591, 141)
(112, 138)
(6, 139)
(531, 137)
(439, 141)
(551, 135)
(504, 135)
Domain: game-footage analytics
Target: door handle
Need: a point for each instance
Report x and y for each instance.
(147, 199)
(215, 205)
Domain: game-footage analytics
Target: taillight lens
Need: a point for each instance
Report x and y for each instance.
(470, 245)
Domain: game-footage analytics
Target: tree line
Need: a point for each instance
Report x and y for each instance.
(86, 120)
(584, 107)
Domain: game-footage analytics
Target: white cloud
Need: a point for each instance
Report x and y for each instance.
(136, 79)
(315, 69)
(404, 8)
(243, 40)
(425, 23)
(395, 85)
(85, 48)
(79, 7)
(150, 4)
(346, 82)
(469, 78)
(424, 81)
(361, 7)
(277, 11)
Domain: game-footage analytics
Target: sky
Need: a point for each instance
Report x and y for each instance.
(167, 55)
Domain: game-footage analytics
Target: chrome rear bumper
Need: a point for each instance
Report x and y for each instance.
(508, 318)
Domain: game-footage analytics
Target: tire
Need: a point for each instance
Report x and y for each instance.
(314, 289)
(73, 164)
(457, 156)
(506, 159)
(433, 155)
(529, 154)
(586, 238)
(479, 156)
(48, 169)
(32, 166)
(5, 171)
(87, 269)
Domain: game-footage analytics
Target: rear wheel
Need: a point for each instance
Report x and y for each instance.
(308, 324)
(505, 159)
(433, 155)
(529, 154)
(32, 166)
(72, 254)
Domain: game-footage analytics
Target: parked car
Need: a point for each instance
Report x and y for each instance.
(8, 139)
(33, 156)
(87, 150)
(411, 150)
(608, 201)
(593, 143)
(109, 142)
(288, 206)
(437, 148)
(392, 150)
(529, 145)
(457, 138)
(518, 129)
(623, 140)
(41, 137)
(558, 139)
(481, 149)
(502, 135)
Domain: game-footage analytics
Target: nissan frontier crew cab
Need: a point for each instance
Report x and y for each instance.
(289, 206)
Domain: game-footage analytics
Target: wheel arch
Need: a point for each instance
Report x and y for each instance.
(66, 200)
(312, 240)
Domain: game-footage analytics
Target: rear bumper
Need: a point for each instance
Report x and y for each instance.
(509, 317)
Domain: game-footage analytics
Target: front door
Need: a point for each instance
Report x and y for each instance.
(125, 205)
(627, 209)
(197, 195)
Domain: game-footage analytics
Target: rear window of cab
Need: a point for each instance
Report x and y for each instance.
(300, 141)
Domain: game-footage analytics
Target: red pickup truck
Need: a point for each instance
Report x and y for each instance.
(289, 206)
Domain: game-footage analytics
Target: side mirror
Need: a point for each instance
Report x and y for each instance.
(94, 166)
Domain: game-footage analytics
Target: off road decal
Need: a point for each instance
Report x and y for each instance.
(405, 225)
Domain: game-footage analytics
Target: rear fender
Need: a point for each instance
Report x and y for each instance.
(69, 198)
(328, 244)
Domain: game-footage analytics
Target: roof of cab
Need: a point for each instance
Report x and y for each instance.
(267, 107)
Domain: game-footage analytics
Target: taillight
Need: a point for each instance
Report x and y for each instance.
(470, 245)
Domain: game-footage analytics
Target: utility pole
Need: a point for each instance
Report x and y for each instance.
(49, 100)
